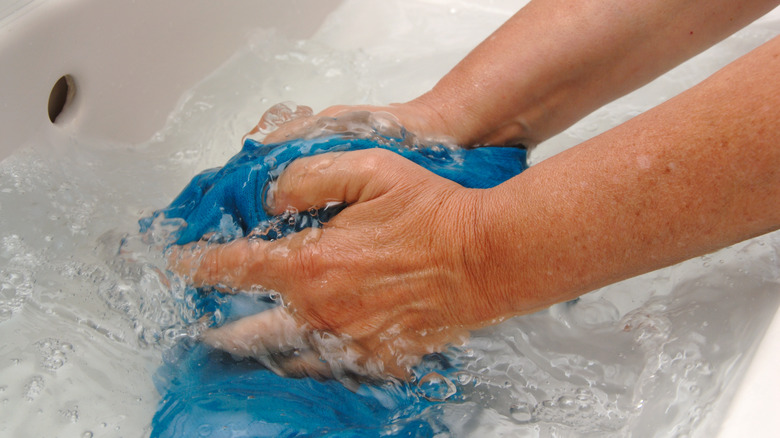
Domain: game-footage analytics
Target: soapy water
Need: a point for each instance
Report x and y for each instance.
(87, 308)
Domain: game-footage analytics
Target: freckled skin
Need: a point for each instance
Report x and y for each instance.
(416, 261)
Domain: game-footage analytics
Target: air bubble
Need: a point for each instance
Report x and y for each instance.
(566, 402)
(584, 394)
(436, 387)
(33, 388)
(521, 413)
(464, 378)
(585, 407)
(205, 430)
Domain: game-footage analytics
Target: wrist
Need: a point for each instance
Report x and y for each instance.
(483, 273)
(469, 118)
(522, 268)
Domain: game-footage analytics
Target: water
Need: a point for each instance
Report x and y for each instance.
(86, 309)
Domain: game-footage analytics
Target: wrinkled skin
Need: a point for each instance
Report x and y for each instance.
(389, 274)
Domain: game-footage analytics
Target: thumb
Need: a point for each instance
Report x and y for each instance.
(335, 177)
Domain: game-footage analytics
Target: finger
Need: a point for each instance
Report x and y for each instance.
(263, 334)
(285, 114)
(291, 130)
(240, 264)
(335, 119)
(305, 363)
(400, 354)
(336, 177)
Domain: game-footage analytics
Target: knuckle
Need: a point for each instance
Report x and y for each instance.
(304, 170)
(376, 159)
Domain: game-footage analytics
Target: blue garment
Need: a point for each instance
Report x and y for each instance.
(237, 189)
(208, 393)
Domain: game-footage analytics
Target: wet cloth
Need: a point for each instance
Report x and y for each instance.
(208, 393)
(231, 198)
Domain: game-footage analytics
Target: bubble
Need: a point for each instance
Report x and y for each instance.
(584, 394)
(464, 378)
(521, 412)
(71, 413)
(566, 402)
(435, 387)
(204, 430)
(33, 388)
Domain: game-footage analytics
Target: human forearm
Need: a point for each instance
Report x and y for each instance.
(556, 61)
(698, 173)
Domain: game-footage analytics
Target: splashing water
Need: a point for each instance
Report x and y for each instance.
(87, 309)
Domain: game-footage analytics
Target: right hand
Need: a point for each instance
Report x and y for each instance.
(401, 272)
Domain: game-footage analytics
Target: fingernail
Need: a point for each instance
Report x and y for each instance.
(270, 197)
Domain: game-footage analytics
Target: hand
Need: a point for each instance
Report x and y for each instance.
(287, 121)
(389, 279)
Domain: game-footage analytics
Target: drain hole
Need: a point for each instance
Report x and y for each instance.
(61, 95)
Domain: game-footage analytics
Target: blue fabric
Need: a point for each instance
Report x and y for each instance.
(208, 393)
(236, 191)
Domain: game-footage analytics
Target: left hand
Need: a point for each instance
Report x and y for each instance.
(392, 277)
(286, 121)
